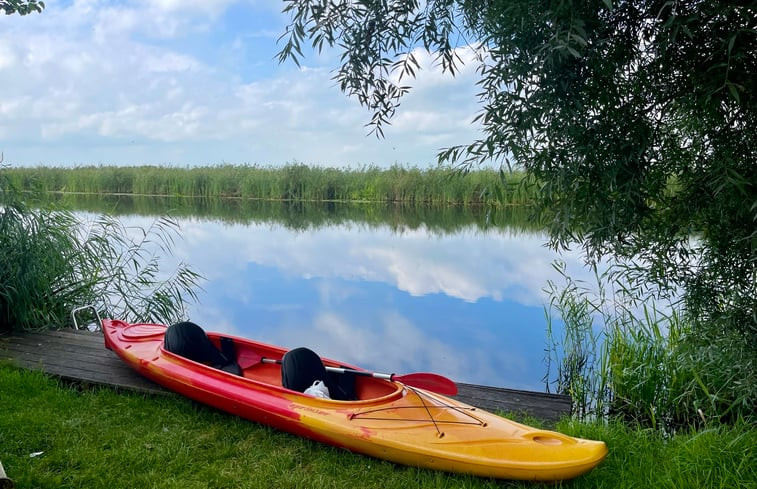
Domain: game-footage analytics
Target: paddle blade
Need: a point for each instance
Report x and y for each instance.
(247, 358)
(430, 382)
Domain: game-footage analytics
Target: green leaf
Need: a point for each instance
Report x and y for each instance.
(734, 92)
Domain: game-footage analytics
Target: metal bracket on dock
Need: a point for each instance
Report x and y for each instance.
(98, 325)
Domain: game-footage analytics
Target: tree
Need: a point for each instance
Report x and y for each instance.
(21, 7)
(636, 119)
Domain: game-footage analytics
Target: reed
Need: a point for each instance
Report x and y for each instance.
(626, 359)
(292, 182)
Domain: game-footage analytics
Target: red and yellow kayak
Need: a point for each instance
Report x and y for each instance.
(389, 420)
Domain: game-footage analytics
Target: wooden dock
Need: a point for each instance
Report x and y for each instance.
(81, 357)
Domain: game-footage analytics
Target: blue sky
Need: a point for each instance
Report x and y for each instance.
(190, 82)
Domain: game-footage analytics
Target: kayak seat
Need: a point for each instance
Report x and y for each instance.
(188, 340)
(301, 367)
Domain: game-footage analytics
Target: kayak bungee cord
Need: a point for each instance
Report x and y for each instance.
(423, 397)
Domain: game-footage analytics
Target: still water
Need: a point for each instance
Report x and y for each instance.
(465, 301)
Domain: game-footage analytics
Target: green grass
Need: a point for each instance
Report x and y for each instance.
(100, 438)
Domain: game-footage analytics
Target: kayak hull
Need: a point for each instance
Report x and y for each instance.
(390, 420)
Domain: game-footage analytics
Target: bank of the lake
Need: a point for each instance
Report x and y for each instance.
(59, 436)
(292, 182)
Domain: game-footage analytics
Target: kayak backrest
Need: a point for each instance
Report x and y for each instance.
(189, 340)
(301, 367)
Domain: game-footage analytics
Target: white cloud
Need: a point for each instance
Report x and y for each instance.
(149, 81)
(195, 7)
(168, 62)
(114, 22)
(7, 58)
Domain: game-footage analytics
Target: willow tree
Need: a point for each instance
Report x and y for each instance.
(636, 119)
(21, 7)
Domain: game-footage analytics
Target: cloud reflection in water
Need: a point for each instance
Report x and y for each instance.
(467, 305)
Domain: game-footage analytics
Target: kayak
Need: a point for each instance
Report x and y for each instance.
(386, 419)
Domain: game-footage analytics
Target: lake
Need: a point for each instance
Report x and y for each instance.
(377, 286)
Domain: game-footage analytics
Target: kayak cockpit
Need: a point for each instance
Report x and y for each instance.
(366, 388)
(294, 370)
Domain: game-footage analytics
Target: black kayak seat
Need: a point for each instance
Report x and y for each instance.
(189, 340)
(300, 367)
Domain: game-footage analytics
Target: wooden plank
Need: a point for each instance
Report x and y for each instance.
(118, 379)
(548, 407)
(53, 350)
(53, 364)
(70, 336)
(74, 356)
(81, 356)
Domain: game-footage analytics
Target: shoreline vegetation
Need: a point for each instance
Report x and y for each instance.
(295, 195)
(292, 182)
(52, 262)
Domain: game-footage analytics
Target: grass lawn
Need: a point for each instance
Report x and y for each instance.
(100, 438)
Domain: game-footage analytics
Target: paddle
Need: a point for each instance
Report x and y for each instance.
(423, 380)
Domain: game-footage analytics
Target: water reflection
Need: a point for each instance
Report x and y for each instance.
(304, 216)
(465, 303)
(469, 265)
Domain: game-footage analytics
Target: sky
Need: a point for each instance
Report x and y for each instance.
(197, 82)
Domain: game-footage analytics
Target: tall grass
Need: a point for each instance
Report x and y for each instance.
(291, 182)
(622, 358)
(51, 262)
